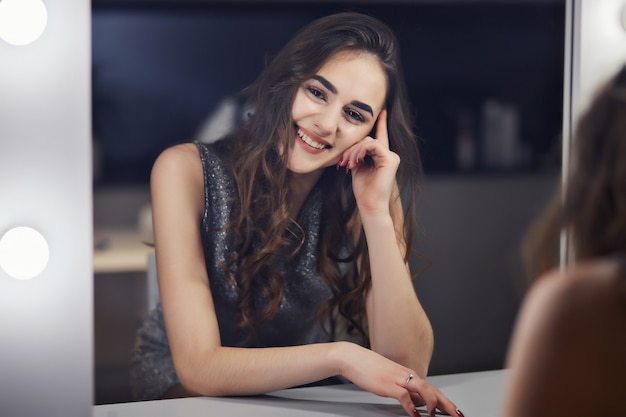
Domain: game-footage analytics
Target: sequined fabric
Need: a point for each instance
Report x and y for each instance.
(152, 370)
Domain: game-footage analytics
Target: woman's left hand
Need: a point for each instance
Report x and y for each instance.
(373, 183)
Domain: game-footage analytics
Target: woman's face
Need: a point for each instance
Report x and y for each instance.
(335, 109)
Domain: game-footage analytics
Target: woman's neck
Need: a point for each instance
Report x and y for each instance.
(300, 185)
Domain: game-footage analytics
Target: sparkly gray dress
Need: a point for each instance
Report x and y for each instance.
(152, 369)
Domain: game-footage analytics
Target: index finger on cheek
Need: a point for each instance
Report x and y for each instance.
(381, 127)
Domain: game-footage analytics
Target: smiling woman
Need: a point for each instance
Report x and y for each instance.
(267, 253)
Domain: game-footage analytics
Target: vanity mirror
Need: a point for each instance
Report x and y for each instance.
(486, 81)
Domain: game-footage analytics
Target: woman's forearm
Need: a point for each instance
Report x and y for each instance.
(399, 327)
(224, 371)
(248, 371)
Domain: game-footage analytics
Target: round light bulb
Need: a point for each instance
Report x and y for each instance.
(22, 21)
(24, 252)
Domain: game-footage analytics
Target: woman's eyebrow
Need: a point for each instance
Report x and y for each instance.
(330, 87)
(363, 107)
(327, 84)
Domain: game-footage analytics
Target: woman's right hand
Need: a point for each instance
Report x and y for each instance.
(381, 376)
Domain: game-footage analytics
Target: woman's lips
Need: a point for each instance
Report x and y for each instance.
(315, 144)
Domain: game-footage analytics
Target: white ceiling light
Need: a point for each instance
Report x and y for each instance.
(22, 21)
(24, 252)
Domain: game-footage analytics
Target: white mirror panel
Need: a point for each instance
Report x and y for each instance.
(595, 50)
(599, 47)
(46, 318)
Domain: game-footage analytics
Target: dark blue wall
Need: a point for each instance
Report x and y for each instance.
(159, 71)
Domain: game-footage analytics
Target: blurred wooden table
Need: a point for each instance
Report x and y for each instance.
(120, 251)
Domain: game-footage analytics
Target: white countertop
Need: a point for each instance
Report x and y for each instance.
(477, 394)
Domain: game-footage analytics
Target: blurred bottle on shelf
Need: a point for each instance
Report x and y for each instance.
(502, 147)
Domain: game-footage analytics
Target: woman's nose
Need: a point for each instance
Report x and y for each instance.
(326, 121)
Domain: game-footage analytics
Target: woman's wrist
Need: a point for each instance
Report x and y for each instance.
(338, 353)
(374, 211)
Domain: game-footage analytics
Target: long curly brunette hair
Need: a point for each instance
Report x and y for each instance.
(263, 223)
(592, 208)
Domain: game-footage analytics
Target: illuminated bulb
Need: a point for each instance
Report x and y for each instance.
(23, 252)
(22, 21)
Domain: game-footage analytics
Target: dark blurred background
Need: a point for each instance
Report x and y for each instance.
(161, 68)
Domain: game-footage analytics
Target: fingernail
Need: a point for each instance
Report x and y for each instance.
(433, 412)
(416, 412)
(339, 163)
(459, 413)
(347, 169)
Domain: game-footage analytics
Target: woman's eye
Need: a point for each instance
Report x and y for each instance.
(356, 116)
(316, 93)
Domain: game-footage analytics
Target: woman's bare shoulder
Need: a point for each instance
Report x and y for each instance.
(178, 155)
(177, 178)
(176, 161)
(585, 283)
(583, 297)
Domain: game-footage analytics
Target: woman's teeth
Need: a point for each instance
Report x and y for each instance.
(310, 141)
